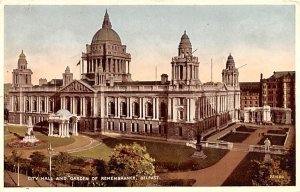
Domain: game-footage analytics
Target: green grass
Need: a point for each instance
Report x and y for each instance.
(166, 155)
(275, 140)
(235, 137)
(19, 131)
(281, 131)
(243, 128)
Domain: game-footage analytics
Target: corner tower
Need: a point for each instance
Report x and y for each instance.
(230, 75)
(22, 75)
(185, 67)
(106, 51)
(67, 76)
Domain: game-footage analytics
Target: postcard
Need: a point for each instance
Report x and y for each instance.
(149, 96)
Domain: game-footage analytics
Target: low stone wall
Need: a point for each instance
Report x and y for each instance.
(274, 149)
(212, 144)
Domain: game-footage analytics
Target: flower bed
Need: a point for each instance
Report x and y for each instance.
(16, 143)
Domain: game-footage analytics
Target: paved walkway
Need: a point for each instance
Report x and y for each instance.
(218, 173)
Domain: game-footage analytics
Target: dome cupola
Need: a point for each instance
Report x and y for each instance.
(185, 46)
(106, 33)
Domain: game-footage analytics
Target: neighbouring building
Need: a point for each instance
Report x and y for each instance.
(249, 94)
(279, 91)
(106, 99)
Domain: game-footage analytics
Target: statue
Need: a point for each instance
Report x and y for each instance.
(199, 152)
(267, 143)
(29, 136)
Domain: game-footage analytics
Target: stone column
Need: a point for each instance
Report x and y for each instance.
(192, 109)
(76, 131)
(95, 111)
(129, 108)
(141, 107)
(83, 106)
(117, 107)
(52, 128)
(59, 129)
(38, 104)
(49, 129)
(157, 108)
(68, 129)
(128, 67)
(174, 109)
(169, 109)
(106, 106)
(188, 118)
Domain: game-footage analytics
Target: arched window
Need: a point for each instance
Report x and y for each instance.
(17, 104)
(34, 105)
(88, 106)
(135, 109)
(163, 110)
(111, 108)
(123, 109)
(149, 109)
(181, 72)
(27, 106)
(68, 101)
(50, 106)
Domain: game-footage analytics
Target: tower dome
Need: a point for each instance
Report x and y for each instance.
(106, 33)
(185, 41)
(22, 59)
(185, 46)
(230, 62)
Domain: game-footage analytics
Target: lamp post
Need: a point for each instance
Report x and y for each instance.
(18, 174)
(50, 150)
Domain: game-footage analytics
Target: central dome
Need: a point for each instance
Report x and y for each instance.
(106, 33)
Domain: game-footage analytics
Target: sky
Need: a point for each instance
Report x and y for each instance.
(53, 37)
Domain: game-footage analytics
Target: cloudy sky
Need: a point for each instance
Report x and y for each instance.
(53, 37)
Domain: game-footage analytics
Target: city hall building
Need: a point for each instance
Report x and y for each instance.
(106, 99)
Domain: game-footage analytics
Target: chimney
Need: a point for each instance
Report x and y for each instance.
(164, 78)
(261, 76)
(42, 81)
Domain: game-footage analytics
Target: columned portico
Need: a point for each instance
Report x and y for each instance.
(66, 121)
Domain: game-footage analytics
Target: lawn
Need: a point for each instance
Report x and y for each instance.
(235, 137)
(243, 128)
(275, 140)
(281, 131)
(19, 132)
(169, 156)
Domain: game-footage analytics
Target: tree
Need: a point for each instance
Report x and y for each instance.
(38, 162)
(61, 164)
(268, 173)
(131, 161)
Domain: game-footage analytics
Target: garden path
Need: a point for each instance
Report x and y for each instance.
(218, 173)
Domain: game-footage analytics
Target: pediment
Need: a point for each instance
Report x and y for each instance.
(78, 87)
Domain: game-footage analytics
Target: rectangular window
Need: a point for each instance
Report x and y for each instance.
(181, 101)
(180, 131)
(132, 127)
(180, 115)
(137, 127)
(150, 128)
(146, 128)
(159, 129)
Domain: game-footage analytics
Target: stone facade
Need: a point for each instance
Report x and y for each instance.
(279, 91)
(107, 100)
(249, 94)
